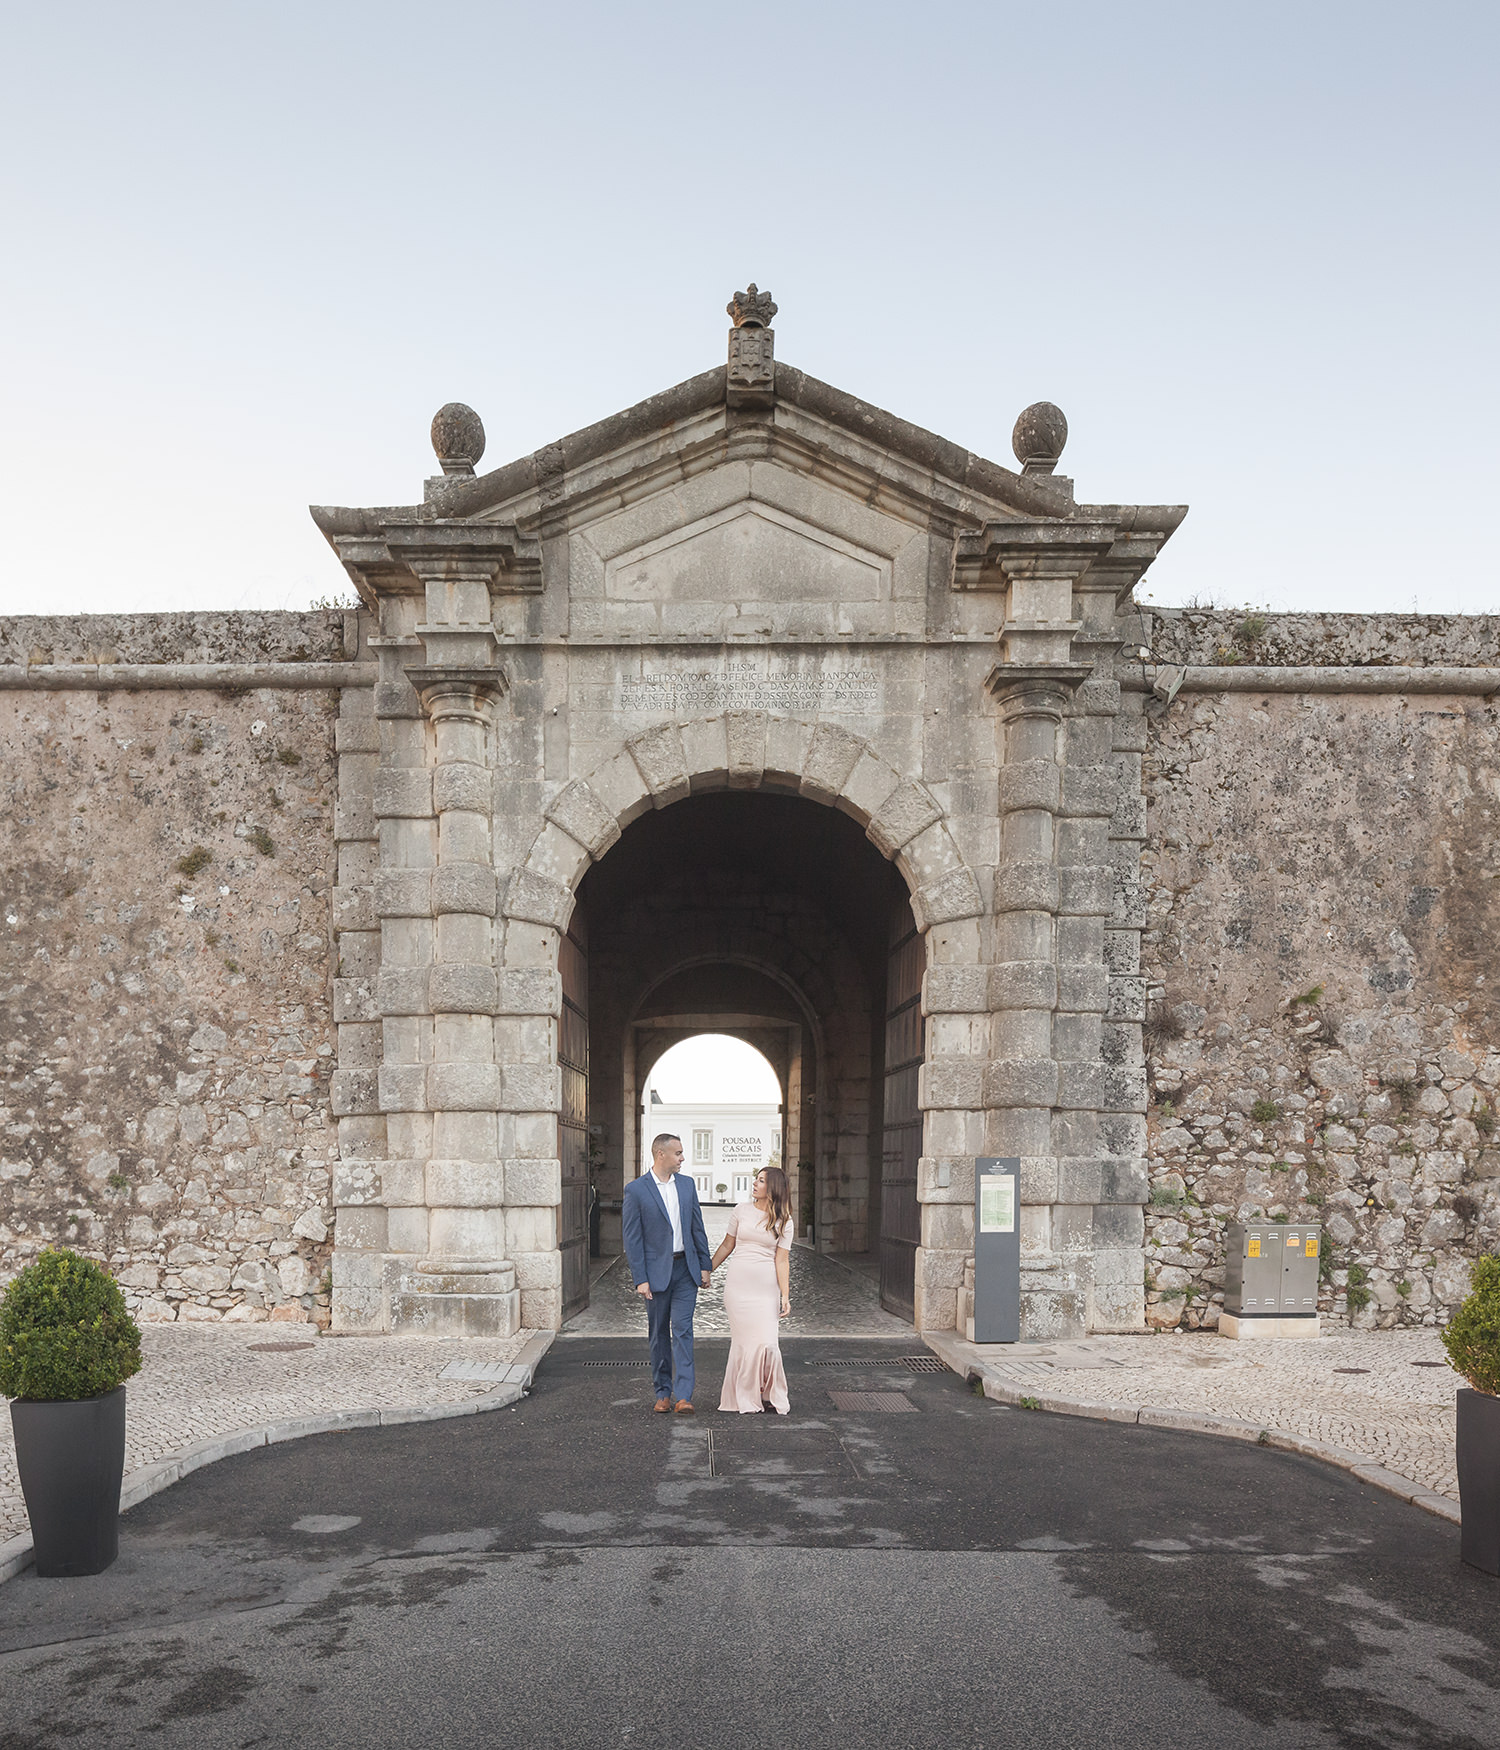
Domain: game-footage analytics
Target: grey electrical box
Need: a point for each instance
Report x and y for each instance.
(997, 1250)
(1272, 1269)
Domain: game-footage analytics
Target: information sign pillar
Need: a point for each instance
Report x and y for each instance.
(997, 1250)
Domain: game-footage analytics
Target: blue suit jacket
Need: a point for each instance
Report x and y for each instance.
(648, 1231)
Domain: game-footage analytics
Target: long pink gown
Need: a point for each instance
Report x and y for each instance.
(754, 1375)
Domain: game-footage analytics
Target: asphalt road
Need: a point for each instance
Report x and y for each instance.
(578, 1572)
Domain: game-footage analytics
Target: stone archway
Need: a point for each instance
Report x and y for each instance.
(745, 750)
(905, 823)
(704, 1118)
(696, 594)
(752, 998)
(687, 998)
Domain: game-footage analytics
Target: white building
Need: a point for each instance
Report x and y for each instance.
(724, 1144)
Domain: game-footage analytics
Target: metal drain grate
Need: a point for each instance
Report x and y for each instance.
(633, 1366)
(278, 1348)
(878, 1402)
(856, 1361)
(912, 1363)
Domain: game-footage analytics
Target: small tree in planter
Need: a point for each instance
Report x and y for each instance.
(67, 1345)
(1472, 1340)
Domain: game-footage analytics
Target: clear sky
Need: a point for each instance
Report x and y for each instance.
(713, 1067)
(1250, 249)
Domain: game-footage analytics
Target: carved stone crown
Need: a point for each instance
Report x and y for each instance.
(751, 308)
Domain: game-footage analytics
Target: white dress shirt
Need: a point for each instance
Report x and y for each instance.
(669, 1196)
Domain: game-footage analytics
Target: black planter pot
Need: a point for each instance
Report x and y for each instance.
(1479, 1478)
(71, 1456)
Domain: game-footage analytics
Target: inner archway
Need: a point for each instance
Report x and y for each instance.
(771, 919)
(721, 1096)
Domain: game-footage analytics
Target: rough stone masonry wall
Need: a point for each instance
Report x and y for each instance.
(1323, 874)
(165, 1020)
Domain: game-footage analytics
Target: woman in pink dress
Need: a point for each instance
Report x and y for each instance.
(757, 1294)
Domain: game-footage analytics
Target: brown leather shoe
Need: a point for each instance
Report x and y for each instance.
(662, 1406)
(684, 1407)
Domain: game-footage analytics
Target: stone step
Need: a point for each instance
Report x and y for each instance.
(428, 1314)
(495, 1282)
(460, 1276)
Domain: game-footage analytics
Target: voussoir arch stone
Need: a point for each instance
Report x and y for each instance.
(740, 749)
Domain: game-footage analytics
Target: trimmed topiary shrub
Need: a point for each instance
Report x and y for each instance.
(65, 1332)
(1472, 1338)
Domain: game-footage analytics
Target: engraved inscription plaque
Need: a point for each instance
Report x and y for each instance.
(740, 687)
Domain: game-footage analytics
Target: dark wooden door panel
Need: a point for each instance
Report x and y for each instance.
(900, 1216)
(573, 1120)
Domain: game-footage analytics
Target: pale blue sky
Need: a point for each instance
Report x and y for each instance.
(1249, 249)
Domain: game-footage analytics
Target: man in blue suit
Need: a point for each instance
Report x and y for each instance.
(667, 1250)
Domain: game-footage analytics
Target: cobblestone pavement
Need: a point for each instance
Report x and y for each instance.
(198, 1382)
(828, 1300)
(1388, 1396)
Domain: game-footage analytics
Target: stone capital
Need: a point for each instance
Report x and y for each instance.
(1035, 690)
(409, 558)
(1004, 554)
(463, 694)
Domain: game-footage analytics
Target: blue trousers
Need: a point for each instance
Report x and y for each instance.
(669, 1322)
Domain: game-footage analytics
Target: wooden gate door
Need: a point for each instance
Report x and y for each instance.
(900, 1218)
(573, 1122)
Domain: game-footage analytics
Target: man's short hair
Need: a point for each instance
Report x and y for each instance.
(658, 1143)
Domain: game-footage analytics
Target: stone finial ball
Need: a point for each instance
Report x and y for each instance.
(1040, 434)
(457, 435)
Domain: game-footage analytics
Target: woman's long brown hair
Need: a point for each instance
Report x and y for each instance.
(778, 1200)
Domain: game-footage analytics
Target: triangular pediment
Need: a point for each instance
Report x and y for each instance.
(716, 554)
(809, 496)
(663, 431)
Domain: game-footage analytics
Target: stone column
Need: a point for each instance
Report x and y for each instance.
(1042, 1082)
(464, 1284)
(439, 989)
(1088, 1230)
(1107, 737)
(1119, 1293)
(421, 1187)
(359, 1298)
(385, 1104)
(1021, 1083)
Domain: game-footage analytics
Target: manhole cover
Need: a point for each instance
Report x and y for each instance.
(1351, 1370)
(279, 1348)
(878, 1402)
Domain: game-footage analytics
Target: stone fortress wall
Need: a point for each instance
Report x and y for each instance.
(166, 1030)
(1322, 875)
(1322, 892)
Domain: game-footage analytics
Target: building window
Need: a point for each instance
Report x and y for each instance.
(703, 1148)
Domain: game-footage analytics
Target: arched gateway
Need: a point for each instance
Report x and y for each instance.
(620, 683)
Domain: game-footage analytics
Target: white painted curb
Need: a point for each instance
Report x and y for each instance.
(151, 1479)
(961, 1357)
